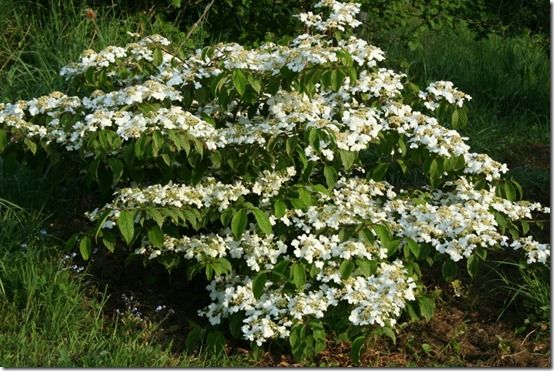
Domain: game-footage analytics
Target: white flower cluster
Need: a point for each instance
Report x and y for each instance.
(458, 221)
(341, 17)
(318, 249)
(442, 90)
(377, 299)
(536, 252)
(131, 56)
(148, 90)
(208, 193)
(353, 201)
(258, 252)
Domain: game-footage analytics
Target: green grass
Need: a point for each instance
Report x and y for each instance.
(48, 318)
(508, 78)
(37, 40)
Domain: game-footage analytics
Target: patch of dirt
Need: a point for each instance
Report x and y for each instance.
(462, 332)
(533, 155)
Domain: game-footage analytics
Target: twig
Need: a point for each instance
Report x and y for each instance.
(195, 25)
(527, 336)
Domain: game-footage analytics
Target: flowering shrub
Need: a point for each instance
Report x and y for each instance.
(310, 186)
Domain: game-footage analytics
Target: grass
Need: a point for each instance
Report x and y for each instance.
(36, 41)
(48, 317)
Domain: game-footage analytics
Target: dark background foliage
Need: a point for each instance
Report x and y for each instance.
(249, 21)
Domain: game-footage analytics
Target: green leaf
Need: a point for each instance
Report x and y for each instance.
(524, 227)
(411, 312)
(225, 264)
(337, 78)
(294, 337)
(353, 74)
(239, 223)
(3, 140)
(108, 239)
(510, 191)
(357, 346)
(426, 348)
(501, 220)
(258, 284)
(347, 158)
(346, 268)
(320, 188)
(156, 216)
(463, 116)
(402, 166)
(449, 270)
(280, 208)
(255, 83)
(226, 216)
(117, 168)
(331, 176)
(281, 268)
(481, 252)
(216, 159)
(455, 119)
(157, 142)
(367, 267)
(31, 146)
(85, 247)
(194, 338)
(70, 243)
(156, 236)
(426, 307)
(126, 225)
(472, 265)
(413, 247)
(235, 324)
(434, 172)
(379, 171)
(389, 333)
(263, 220)
(298, 275)
(305, 197)
(157, 57)
(239, 81)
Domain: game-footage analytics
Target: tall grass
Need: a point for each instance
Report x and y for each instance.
(37, 38)
(48, 320)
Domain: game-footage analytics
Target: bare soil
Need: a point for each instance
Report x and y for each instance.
(463, 332)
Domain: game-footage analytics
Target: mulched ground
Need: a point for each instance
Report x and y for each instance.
(464, 331)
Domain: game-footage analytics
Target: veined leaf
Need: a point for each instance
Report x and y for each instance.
(3, 140)
(346, 268)
(85, 247)
(426, 307)
(280, 208)
(156, 236)
(126, 225)
(239, 81)
(331, 176)
(258, 284)
(298, 275)
(239, 223)
(263, 220)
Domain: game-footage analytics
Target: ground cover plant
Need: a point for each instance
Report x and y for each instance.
(310, 144)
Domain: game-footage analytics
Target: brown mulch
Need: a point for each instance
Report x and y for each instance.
(463, 332)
